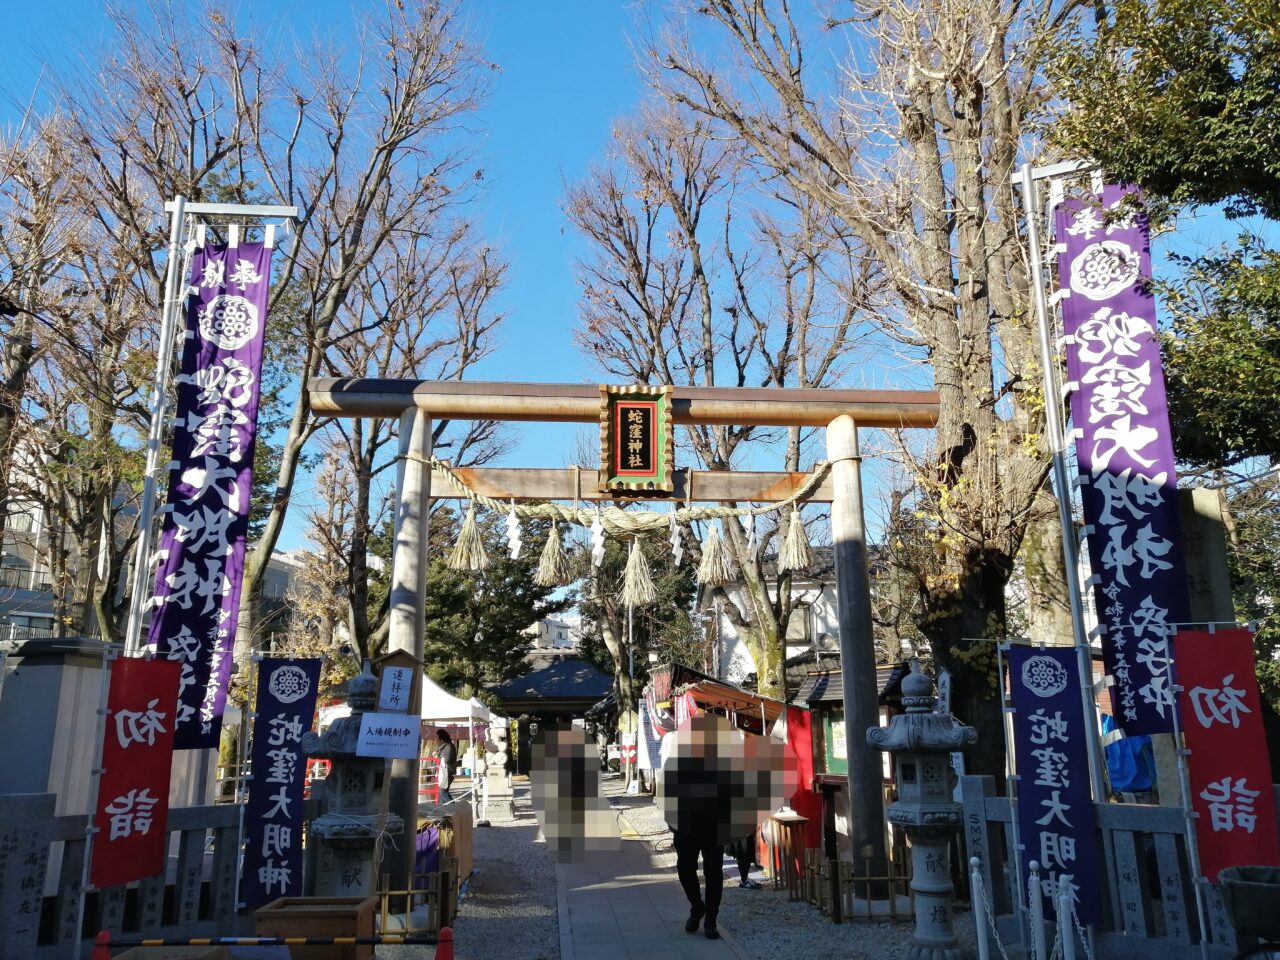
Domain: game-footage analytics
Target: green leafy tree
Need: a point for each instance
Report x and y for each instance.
(1178, 96)
(476, 620)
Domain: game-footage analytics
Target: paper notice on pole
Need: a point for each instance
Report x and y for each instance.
(396, 688)
(388, 735)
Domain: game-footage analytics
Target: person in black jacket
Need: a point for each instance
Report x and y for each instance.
(448, 756)
(705, 803)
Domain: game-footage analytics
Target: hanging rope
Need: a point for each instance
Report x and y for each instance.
(637, 585)
(618, 522)
(554, 568)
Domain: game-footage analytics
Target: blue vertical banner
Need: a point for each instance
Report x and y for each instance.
(1056, 823)
(206, 521)
(1120, 416)
(273, 816)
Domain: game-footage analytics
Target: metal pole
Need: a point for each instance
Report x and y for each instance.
(857, 651)
(1038, 950)
(631, 686)
(1188, 814)
(164, 359)
(1014, 780)
(1066, 911)
(109, 656)
(408, 626)
(978, 897)
(1062, 482)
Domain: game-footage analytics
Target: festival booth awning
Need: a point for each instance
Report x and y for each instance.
(752, 713)
(747, 709)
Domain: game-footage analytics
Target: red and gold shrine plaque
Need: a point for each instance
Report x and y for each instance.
(637, 448)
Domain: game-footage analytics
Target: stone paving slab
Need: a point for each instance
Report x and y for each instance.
(627, 907)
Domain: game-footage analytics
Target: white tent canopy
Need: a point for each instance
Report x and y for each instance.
(438, 706)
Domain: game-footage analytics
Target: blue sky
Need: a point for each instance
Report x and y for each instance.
(567, 73)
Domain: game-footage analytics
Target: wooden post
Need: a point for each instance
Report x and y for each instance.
(408, 626)
(857, 651)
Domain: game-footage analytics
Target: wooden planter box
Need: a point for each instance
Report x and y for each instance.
(320, 917)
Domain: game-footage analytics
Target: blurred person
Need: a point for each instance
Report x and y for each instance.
(447, 755)
(565, 779)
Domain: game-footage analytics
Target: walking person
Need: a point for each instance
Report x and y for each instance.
(743, 851)
(447, 756)
(699, 788)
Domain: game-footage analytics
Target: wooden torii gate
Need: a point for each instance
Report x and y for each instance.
(841, 412)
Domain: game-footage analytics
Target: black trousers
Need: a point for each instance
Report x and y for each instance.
(688, 847)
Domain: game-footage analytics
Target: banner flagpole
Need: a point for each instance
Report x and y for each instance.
(1061, 479)
(159, 398)
(109, 655)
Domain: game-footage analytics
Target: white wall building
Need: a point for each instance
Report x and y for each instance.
(561, 632)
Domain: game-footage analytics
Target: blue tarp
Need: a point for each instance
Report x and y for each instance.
(1130, 762)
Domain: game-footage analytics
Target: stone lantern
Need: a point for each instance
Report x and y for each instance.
(346, 832)
(922, 743)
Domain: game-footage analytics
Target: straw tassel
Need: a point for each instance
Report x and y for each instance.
(637, 586)
(469, 553)
(715, 567)
(553, 566)
(796, 552)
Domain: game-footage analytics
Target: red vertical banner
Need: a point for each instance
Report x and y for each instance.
(1229, 769)
(137, 759)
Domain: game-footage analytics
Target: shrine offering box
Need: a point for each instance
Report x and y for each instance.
(320, 917)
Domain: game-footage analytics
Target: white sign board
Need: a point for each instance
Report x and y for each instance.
(390, 735)
(396, 689)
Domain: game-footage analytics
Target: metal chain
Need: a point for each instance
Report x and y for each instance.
(1081, 930)
(991, 920)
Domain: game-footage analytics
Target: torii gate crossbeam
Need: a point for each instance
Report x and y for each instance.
(841, 412)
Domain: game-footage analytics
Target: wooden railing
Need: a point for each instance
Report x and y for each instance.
(195, 896)
(1148, 895)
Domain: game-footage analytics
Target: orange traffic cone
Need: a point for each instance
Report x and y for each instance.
(103, 952)
(444, 947)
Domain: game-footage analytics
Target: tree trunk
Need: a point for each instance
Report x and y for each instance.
(962, 637)
(1048, 603)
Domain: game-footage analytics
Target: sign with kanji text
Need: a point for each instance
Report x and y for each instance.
(137, 760)
(273, 816)
(1124, 446)
(390, 735)
(637, 447)
(1056, 821)
(395, 689)
(1228, 766)
(206, 521)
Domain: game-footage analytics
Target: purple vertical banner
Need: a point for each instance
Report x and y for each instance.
(1056, 820)
(1125, 451)
(273, 816)
(202, 542)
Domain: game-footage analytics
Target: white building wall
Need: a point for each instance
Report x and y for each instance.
(814, 621)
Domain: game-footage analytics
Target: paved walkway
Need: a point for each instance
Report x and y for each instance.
(628, 908)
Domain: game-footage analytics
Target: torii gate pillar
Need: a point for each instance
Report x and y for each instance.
(407, 627)
(857, 652)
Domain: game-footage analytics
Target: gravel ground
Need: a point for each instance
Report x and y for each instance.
(764, 924)
(510, 906)
(509, 909)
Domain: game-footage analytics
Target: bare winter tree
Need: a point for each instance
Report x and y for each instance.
(910, 149)
(368, 142)
(422, 310)
(702, 275)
